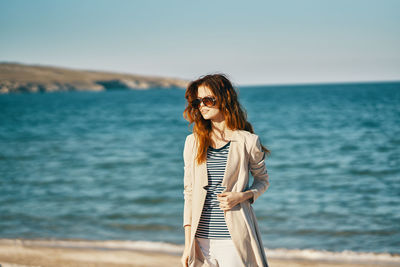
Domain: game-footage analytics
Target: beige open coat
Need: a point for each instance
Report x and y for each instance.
(245, 154)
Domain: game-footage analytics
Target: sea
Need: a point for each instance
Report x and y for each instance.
(108, 166)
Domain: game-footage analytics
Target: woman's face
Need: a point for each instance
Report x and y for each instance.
(208, 113)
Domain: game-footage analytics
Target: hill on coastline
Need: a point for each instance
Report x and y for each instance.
(22, 78)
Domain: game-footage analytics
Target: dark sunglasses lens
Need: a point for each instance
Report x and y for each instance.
(196, 103)
(208, 101)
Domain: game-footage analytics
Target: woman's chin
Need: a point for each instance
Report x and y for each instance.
(205, 117)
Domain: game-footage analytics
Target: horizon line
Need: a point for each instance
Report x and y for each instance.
(321, 83)
(237, 84)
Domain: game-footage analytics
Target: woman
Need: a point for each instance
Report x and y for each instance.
(220, 225)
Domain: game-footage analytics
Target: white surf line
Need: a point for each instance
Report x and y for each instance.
(163, 247)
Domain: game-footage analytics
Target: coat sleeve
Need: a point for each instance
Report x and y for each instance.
(258, 170)
(187, 182)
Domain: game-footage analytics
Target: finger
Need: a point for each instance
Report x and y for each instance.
(223, 202)
(225, 208)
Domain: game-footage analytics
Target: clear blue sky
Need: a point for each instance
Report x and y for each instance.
(254, 42)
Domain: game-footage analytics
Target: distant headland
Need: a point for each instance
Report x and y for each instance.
(22, 78)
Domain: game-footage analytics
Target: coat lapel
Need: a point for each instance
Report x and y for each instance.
(229, 168)
(203, 174)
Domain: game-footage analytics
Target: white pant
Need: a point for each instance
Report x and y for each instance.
(220, 252)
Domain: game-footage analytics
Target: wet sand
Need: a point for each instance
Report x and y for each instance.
(18, 254)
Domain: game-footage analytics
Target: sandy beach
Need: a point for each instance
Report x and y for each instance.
(17, 253)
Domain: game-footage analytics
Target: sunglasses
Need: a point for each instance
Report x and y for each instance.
(208, 101)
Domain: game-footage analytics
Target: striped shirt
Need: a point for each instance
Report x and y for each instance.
(212, 223)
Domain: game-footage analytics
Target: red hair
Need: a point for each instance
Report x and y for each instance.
(227, 101)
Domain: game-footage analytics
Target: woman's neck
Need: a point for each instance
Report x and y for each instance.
(220, 130)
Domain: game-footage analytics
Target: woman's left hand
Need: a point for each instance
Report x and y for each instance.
(228, 200)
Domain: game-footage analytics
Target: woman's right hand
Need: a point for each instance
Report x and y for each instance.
(185, 257)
